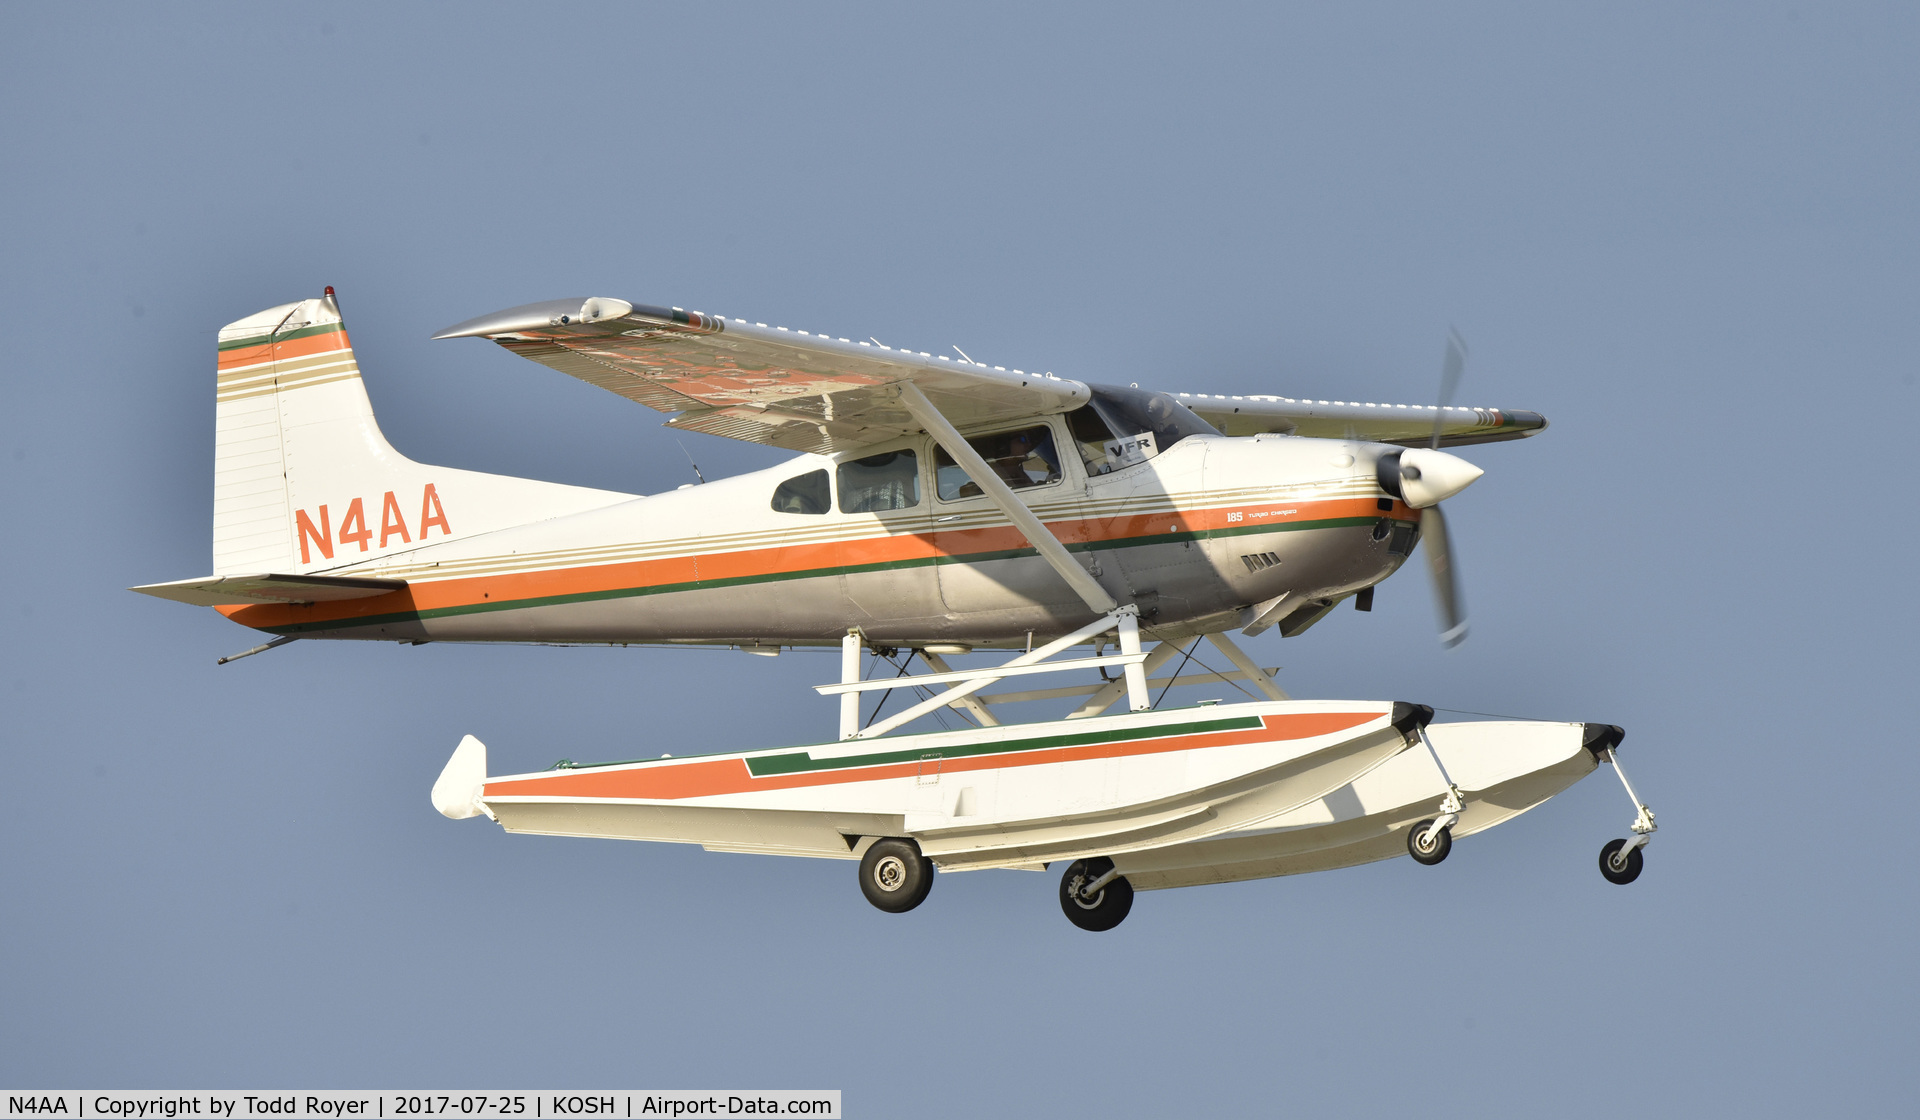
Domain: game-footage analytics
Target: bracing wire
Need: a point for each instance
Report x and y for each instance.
(939, 714)
(1176, 672)
(1229, 681)
(889, 692)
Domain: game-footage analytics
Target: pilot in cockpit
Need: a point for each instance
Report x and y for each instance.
(1025, 461)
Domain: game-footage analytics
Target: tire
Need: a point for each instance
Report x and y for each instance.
(894, 875)
(1434, 852)
(1107, 909)
(1620, 872)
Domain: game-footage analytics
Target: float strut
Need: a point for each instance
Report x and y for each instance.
(850, 674)
(972, 705)
(1249, 666)
(1136, 674)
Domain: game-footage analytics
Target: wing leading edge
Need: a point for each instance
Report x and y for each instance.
(812, 393)
(727, 377)
(1410, 425)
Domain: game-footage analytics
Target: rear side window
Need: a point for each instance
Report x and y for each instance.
(805, 494)
(889, 480)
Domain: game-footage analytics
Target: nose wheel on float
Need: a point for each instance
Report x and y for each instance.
(1430, 841)
(1620, 860)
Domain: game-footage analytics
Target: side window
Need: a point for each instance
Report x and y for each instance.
(1091, 435)
(889, 480)
(805, 494)
(1023, 458)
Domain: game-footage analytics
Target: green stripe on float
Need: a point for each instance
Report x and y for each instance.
(801, 762)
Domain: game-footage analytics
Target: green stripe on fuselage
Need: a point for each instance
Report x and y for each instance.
(809, 573)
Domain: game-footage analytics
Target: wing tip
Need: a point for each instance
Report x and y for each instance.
(527, 316)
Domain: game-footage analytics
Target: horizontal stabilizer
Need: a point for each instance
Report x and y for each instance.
(222, 591)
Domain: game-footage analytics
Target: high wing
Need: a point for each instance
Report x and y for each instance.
(1407, 424)
(748, 381)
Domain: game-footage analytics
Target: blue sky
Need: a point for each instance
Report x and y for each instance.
(1687, 234)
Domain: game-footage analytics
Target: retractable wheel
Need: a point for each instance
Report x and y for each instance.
(1107, 907)
(1429, 850)
(1616, 869)
(895, 876)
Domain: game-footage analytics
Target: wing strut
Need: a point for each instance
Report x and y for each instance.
(1114, 616)
(996, 488)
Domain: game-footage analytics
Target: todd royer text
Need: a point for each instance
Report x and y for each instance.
(350, 1104)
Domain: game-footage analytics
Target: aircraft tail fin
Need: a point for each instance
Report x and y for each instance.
(305, 481)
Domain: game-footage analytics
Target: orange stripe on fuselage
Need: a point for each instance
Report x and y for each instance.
(790, 559)
(335, 339)
(677, 781)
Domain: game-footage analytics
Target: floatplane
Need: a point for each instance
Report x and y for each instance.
(936, 506)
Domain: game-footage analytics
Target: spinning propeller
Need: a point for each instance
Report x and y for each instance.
(1423, 477)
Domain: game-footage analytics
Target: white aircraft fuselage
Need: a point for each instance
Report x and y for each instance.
(1195, 535)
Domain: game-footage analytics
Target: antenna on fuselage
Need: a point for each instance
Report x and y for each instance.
(691, 463)
(964, 354)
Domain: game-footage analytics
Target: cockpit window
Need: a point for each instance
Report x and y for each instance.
(1091, 435)
(1134, 413)
(1021, 459)
(805, 494)
(889, 480)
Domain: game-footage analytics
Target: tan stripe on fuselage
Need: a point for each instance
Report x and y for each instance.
(1076, 513)
(450, 587)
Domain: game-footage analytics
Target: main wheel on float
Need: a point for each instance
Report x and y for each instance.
(894, 875)
(1617, 870)
(1429, 850)
(1107, 907)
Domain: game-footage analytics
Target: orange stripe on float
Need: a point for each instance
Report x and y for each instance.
(677, 781)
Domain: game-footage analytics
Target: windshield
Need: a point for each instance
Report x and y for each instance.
(1131, 412)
